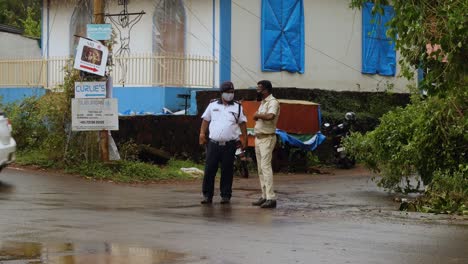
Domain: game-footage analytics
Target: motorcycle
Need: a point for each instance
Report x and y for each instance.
(337, 133)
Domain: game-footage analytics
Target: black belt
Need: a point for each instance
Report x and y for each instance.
(223, 143)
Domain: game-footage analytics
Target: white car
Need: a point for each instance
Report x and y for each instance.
(7, 142)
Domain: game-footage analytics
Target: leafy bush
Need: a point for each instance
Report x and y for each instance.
(447, 194)
(414, 140)
(129, 150)
(312, 159)
(428, 137)
(28, 127)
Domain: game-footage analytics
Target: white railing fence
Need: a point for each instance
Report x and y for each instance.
(182, 70)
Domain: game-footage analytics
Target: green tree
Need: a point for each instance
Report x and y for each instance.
(23, 14)
(420, 23)
(429, 137)
(31, 26)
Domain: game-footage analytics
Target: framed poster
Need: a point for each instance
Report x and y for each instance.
(91, 56)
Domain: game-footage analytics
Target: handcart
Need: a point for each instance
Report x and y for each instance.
(298, 132)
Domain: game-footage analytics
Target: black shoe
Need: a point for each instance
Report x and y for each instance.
(269, 204)
(225, 200)
(207, 200)
(259, 202)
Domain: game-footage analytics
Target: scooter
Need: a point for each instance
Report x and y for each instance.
(337, 133)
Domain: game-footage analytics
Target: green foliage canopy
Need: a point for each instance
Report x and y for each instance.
(24, 14)
(429, 137)
(423, 25)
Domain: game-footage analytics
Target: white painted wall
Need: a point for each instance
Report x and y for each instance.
(332, 52)
(332, 33)
(141, 40)
(17, 46)
(55, 29)
(199, 27)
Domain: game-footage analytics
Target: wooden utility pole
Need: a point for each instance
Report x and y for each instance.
(103, 134)
(98, 11)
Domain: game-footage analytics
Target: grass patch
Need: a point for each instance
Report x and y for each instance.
(34, 158)
(133, 171)
(118, 171)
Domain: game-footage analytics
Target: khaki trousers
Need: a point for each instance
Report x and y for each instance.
(263, 151)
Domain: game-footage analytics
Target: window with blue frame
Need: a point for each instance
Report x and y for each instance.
(378, 50)
(282, 35)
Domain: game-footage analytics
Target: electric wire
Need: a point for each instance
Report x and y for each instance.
(320, 51)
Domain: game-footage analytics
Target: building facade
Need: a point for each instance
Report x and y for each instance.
(180, 46)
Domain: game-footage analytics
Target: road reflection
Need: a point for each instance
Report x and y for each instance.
(72, 253)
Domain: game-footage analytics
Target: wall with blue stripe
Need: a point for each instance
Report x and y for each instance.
(225, 17)
(139, 99)
(152, 99)
(16, 94)
(132, 100)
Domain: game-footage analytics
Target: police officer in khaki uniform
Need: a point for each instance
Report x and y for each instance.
(224, 117)
(265, 139)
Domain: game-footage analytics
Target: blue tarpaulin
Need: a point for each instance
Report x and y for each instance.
(310, 144)
(378, 50)
(283, 35)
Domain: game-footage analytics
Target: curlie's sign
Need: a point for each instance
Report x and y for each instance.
(90, 89)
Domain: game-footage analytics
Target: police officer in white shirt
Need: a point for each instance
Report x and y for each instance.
(224, 117)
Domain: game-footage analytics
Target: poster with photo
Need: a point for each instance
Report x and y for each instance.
(91, 56)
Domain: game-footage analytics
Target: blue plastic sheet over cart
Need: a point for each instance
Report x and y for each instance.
(310, 144)
(298, 132)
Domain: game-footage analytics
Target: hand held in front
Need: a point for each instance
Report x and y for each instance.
(202, 140)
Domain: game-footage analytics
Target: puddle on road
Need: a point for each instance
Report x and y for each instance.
(5, 191)
(75, 253)
(6, 188)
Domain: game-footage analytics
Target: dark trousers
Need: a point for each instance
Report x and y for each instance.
(216, 154)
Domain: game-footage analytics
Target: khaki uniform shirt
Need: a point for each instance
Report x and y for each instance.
(268, 106)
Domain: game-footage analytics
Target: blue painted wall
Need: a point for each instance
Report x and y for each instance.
(131, 99)
(136, 99)
(152, 99)
(172, 101)
(225, 7)
(14, 94)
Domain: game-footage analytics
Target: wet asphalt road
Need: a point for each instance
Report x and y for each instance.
(339, 218)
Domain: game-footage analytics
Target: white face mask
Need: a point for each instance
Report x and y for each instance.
(228, 97)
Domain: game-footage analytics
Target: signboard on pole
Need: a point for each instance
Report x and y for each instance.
(91, 56)
(95, 114)
(99, 31)
(90, 90)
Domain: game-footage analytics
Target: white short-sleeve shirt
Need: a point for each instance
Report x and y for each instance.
(224, 120)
